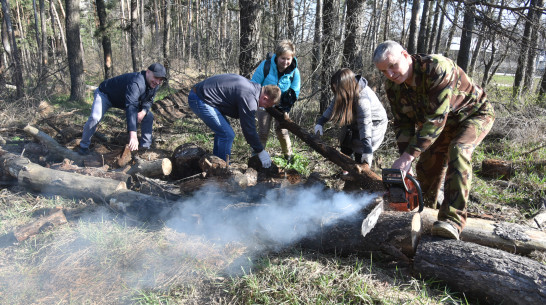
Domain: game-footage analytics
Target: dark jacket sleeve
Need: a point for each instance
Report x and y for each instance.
(132, 95)
(247, 118)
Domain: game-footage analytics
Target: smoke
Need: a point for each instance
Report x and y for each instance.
(278, 218)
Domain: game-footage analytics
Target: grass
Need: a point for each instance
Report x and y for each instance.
(99, 257)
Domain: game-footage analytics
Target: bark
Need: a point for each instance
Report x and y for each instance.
(352, 55)
(173, 107)
(328, 54)
(317, 46)
(361, 173)
(290, 20)
(491, 275)
(500, 169)
(52, 145)
(440, 28)
(37, 33)
(75, 56)
(18, 71)
(506, 236)
(422, 36)
(412, 36)
(167, 39)
(435, 27)
(249, 43)
(44, 35)
(466, 37)
(533, 45)
(387, 20)
(153, 169)
(452, 29)
(523, 53)
(135, 37)
(105, 39)
(55, 218)
(61, 31)
(101, 172)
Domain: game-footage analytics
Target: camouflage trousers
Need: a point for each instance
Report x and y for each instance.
(264, 125)
(449, 160)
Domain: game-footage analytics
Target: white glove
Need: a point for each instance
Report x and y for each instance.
(265, 158)
(367, 158)
(318, 128)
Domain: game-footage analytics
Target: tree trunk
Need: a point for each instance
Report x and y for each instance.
(491, 275)
(290, 20)
(412, 36)
(523, 53)
(135, 38)
(105, 38)
(75, 57)
(317, 47)
(466, 37)
(440, 28)
(43, 31)
(55, 218)
(452, 29)
(533, 45)
(167, 39)
(352, 55)
(435, 27)
(361, 173)
(18, 71)
(422, 37)
(250, 42)
(387, 20)
(37, 33)
(328, 55)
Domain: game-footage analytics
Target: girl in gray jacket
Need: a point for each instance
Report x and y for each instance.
(357, 110)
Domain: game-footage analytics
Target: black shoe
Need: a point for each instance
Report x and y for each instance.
(84, 151)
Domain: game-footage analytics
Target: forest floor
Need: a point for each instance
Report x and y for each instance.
(104, 257)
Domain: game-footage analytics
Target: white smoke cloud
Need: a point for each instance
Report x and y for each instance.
(280, 217)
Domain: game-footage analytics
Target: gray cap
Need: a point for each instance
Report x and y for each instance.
(158, 70)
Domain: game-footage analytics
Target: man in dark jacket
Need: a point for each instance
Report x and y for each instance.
(235, 96)
(132, 92)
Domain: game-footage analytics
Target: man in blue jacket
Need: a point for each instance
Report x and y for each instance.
(235, 96)
(132, 92)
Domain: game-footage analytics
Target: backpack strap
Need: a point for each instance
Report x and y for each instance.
(267, 65)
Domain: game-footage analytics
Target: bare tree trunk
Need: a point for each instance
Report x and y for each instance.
(435, 28)
(250, 43)
(422, 37)
(290, 20)
(317, 46)
(44, 35)
(75, 58)
(452, 29)
(404, 18)
(61, 30)
(466, 37)
(412, 36)
(533, 46)
(135, 50)
(387, 20)
(352, 55)
(105, 37)
(440, 28)
(18, 75)
(328, 43)
(167, 39)
(524, 53)
(37, 32)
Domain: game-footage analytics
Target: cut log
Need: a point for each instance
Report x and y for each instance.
(50, 181)
(155, 168)
(173, 107)
(54, 147)
(505, 236)
(361, 173)
(185, 159)
(55, 218)
(491, 275)
(500, 169)
(101, 172)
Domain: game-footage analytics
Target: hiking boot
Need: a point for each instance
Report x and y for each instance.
(444, 229)
(84, 151)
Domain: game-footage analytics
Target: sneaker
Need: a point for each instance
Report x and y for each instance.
(84, 151)
(444, 229)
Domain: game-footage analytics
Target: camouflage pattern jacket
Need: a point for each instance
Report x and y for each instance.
(441, 93)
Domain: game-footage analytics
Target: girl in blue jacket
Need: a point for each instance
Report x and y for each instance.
(281, 69)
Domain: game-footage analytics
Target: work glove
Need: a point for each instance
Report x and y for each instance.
(318, 128)
(367, 158)
(288, 98)
(265, 158)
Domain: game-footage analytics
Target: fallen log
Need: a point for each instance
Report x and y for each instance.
(505, 236)
(491, 275)
(52, 145)
(55, 218)
(361, 173)
(154, 168)
(101, 172)
(500, 169)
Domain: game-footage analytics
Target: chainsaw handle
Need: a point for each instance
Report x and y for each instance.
(418, 187)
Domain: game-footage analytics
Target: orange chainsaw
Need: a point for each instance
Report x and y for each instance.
(403, 191)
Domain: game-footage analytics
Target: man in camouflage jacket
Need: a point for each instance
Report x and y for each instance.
(440, 116)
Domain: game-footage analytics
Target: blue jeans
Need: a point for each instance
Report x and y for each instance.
(223, 133)
(101, 104)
